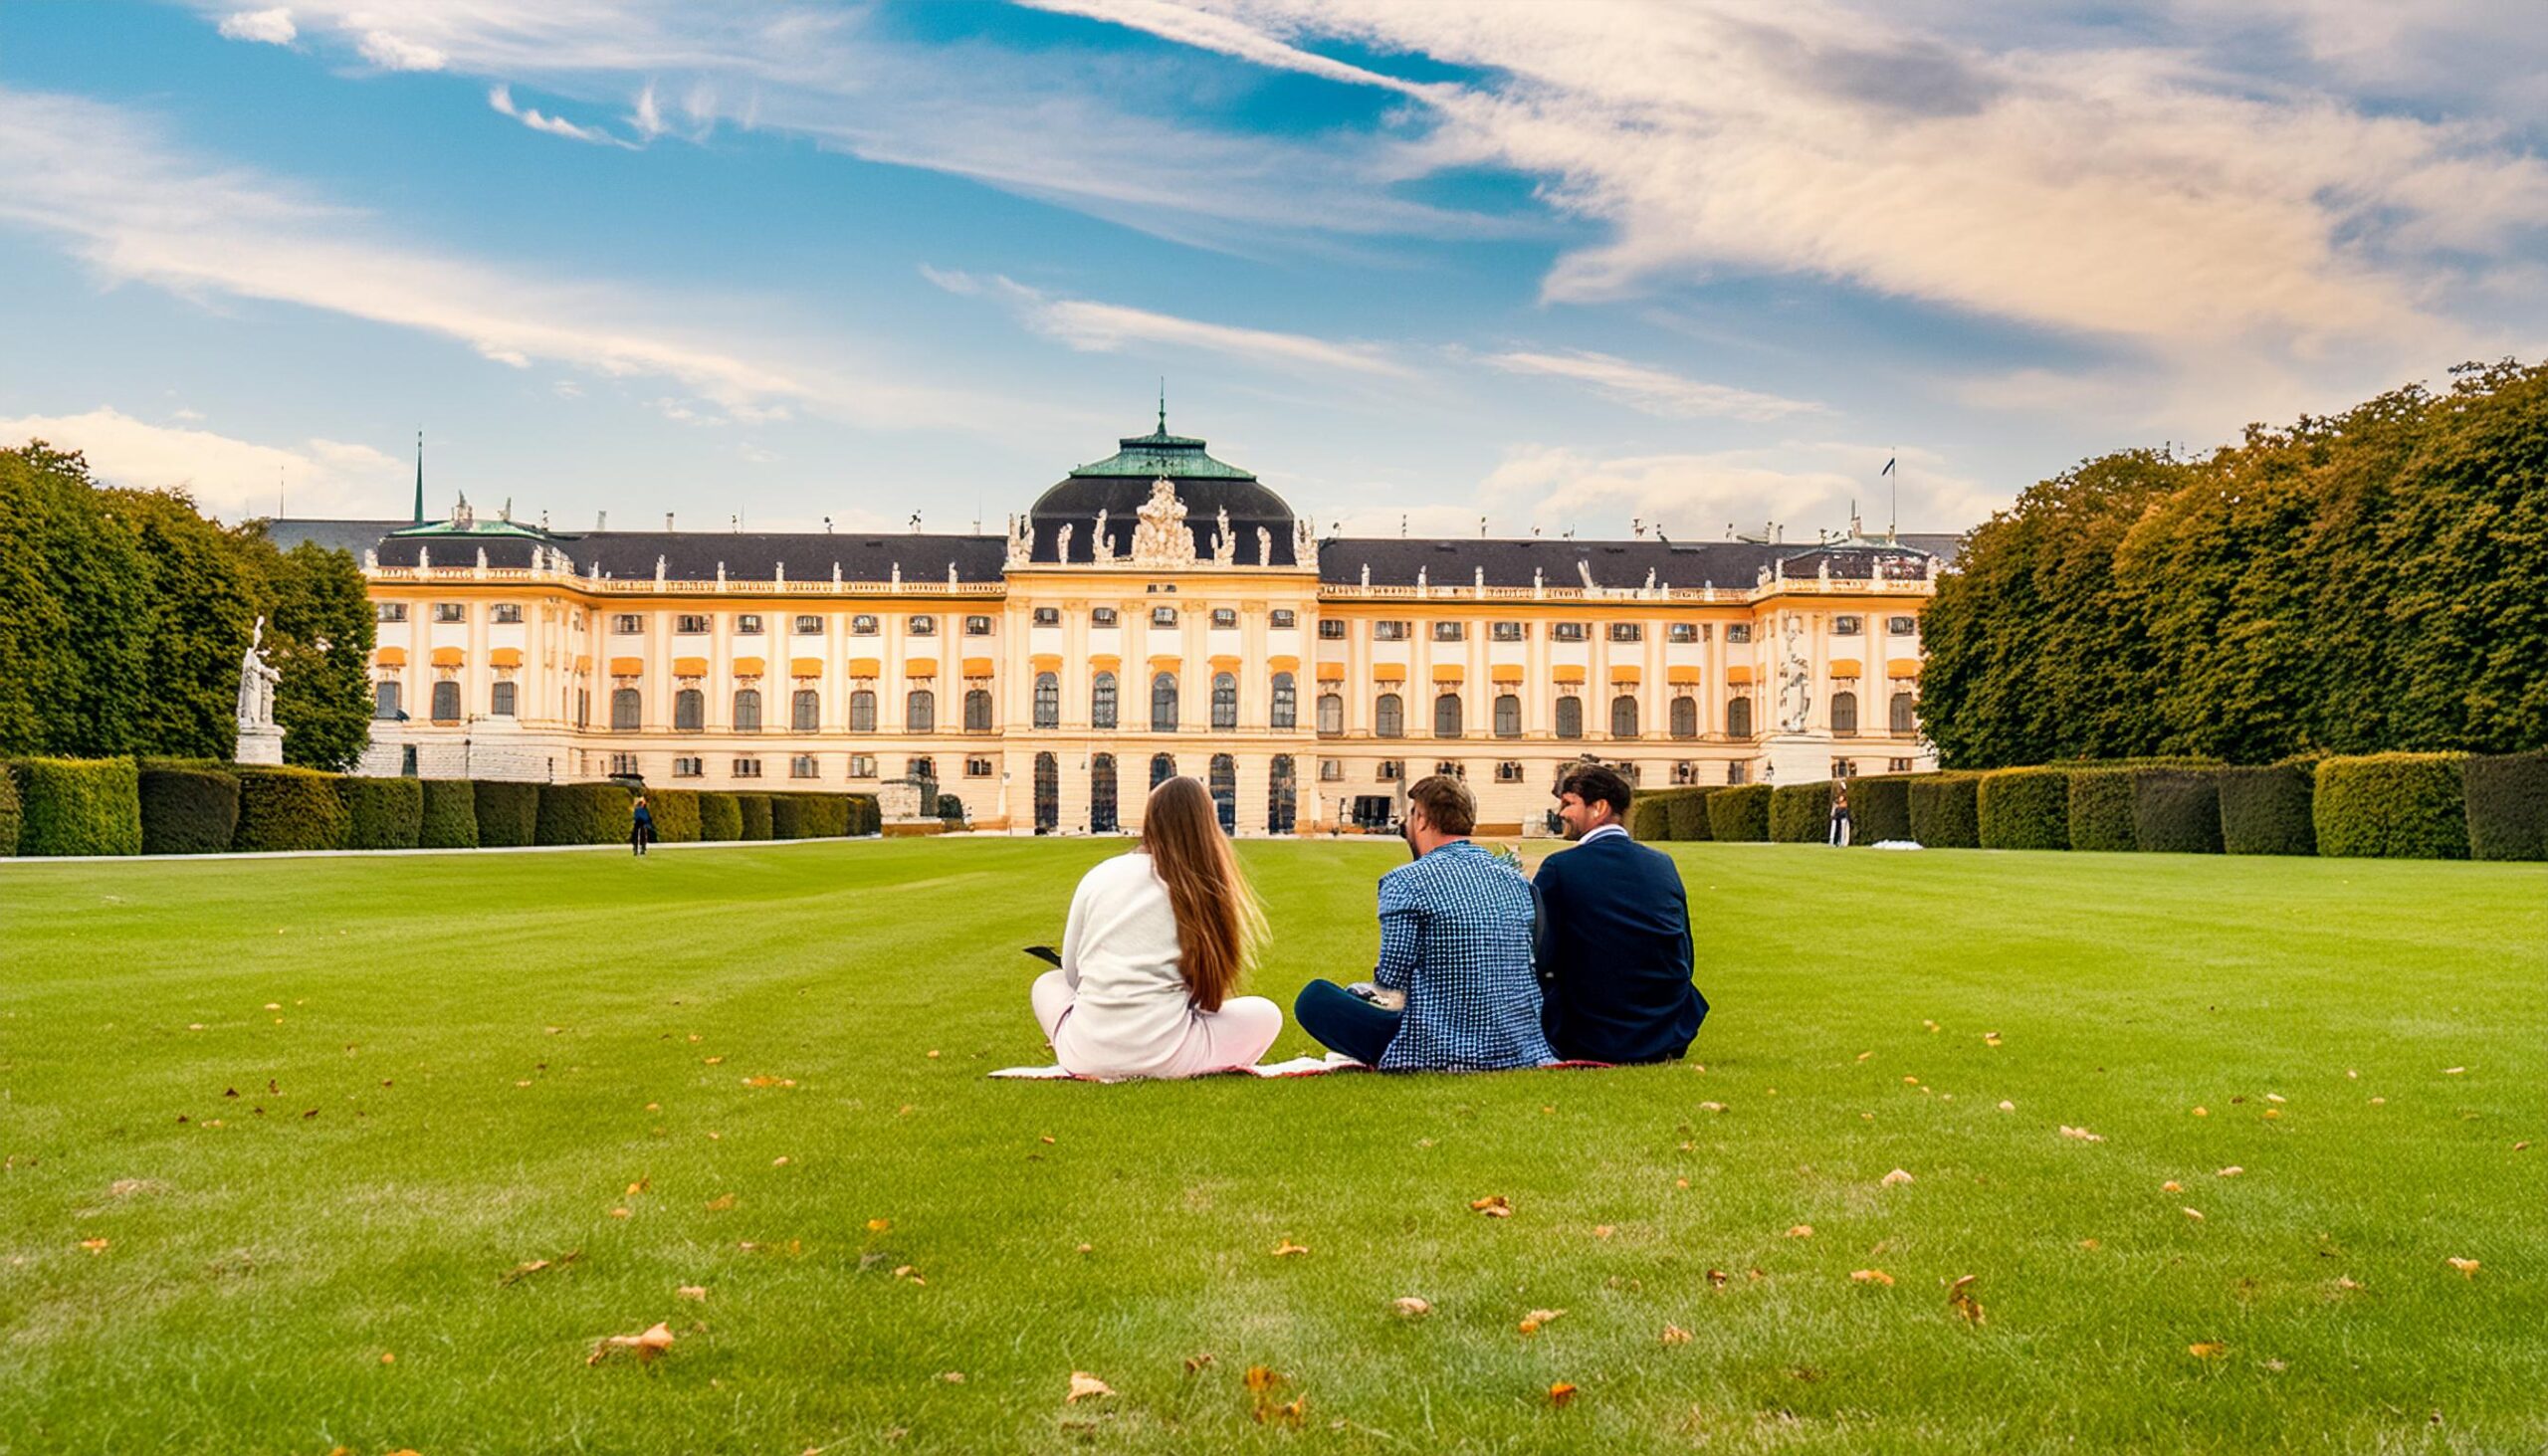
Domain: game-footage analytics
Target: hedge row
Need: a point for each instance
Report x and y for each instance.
(118, 806)
(1800, 813)
(2393, 806)
(2267, 810)
(1739, 813)
(2507, 807)
(2023, 808)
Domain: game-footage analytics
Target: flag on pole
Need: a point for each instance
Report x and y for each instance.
(1888, 467)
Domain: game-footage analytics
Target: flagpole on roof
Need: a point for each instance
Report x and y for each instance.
(420, 476)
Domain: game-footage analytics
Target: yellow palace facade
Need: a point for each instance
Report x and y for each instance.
(1156, 612)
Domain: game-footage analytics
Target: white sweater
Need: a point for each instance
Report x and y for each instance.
(1130, 1008)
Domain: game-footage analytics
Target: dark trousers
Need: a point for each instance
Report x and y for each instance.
(638, 837)
(1343, 1022)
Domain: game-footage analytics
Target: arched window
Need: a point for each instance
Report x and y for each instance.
(747, 709)
(1389, 716)
(1101, 794)
(920, 711)
(1508, 715)
(1446, 716)
(624, 709)
(1903, 721)
(1844, 712)
(689, 711)
(1569, 718)
(384, 699)
(500, 700)
(805, 711)
(1163, 768)
(1224, 785)
(1286, 710)
(1048, 794)
(1624, 715)
(1331, 714)
(1685, 715)
(1282, 796)
(1163, 703)
(1048, 701)
(1101, 702)
(862, 711)
(978, 710)
(1224, 700)
(1738, 718)
(446, 703)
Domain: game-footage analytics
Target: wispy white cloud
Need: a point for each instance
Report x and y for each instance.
(1804, 486)
(231, 477)
(393, 52)
(1655, 391)
(1095, 327)
(501, 98)
(271, 27)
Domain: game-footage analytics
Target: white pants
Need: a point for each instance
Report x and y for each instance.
(1237, 1035)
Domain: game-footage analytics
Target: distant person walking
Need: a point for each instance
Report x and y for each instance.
(641, 826)
(1839, 813)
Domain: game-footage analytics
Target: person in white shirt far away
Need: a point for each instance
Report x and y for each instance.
(1154, 947)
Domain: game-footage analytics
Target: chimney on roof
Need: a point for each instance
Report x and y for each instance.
(601, 521)
(668, 521)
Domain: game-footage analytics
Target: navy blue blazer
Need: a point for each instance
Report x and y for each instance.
(1615, 954)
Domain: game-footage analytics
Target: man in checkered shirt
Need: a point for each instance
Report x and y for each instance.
(1455, 941)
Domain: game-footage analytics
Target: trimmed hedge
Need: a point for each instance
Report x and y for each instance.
(1689, 812)
(1880, 808)
(787, 817)
(451, 815)
(508, 813)
(721, 817)
(1946, 810)
(1800, 813)
(676, 812)
(583, 813)
(2266, 810)
(78, 806)
(288, 808)
(2176, 810)
(382, 813)
(2023, 808)
(866, 816)
(10, 814)
(1650, 818)
(756, 815)
(188, 806)
(2391, 806)
(2101, 811)
(826, 816)
(1740, 812)
(2507, 802)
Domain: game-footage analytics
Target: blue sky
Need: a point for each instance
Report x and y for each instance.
(1560, 266)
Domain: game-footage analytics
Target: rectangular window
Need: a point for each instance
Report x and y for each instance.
(1224, 617)
(691, 623)
(1627, 631)
(1330, 770)
(1897, 766)
(862, 625)
(450, 612)
(1391, 771)
(623, 764)
(978, 626)
(747, 768)
(921, 626)
(1163, 616)
(1848, 626)
(809, 625)
(1737, 633)
(1100, 617)
(389, 611)
(1682, 632)
(1508, 772)
(748, 624)
(689, 767)
(1048, 616)
(862, 765)
(978, 768)
(920, 768)
(507, 614)
(1844, 768)
(1902, 626)
(1512, 631)
(1566, 630)
(1451, 631)
(802, 767)
(1331, 629)
(1284, 619)
(1388, 631)
(628, 624)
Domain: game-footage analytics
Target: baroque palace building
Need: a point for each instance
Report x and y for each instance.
(1156, 612)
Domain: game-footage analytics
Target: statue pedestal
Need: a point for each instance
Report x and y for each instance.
(259, 746)
(1796, 758)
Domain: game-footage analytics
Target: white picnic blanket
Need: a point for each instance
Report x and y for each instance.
(1296, 1067)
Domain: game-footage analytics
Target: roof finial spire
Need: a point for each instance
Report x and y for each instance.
(1162, 404)
(420, 476)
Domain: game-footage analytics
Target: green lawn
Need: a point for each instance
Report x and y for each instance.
(446, 1067)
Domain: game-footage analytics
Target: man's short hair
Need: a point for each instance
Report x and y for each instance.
(1597, 784)
(1446, 801)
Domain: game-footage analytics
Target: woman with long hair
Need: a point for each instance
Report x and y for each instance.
(1153, 953)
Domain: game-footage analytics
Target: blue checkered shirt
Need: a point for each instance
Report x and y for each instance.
(1455, 936)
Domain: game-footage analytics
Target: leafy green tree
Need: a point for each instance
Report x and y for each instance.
(72, 610)
(203, 595)
(321, 629)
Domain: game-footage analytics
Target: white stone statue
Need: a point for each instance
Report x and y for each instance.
(1649, 579)
(1795, 701)
(424, 557)
(1021, 541)
(1264, 546)
(1224, 544)
(780, 576)
(1062, 543)
(1823, 571)
(898, 573)
(481, 560)
(1304, 542)
(259, 739)
(1420, 581)
(659, 571)
(370, 559)
(1162, 538)
(1100, 549)
(1367, 577)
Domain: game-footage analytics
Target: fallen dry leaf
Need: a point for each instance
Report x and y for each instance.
(2203, 1112)
(1895, 1179)
(1409, 1307)
(1711, 1107)
(1871, 1276)
(2194, 1213)
(720, 1203)
(1286, 1249)
(2453, 1071)
(2468, 1267)
(2232, 1172)
(1718, 1278)
(693, 1292)
(2090, 1244)
(2008, 1107)
(779, 1162)
(1990, 1038)
(2207, 1349)
(1959, 1298)
(388, 1358)
(1862, 1056)
(2082, 1135)
(951, 1378)
(1602, 1230)
(94, 1246)
(619, 1213)
(1085, 1386)
(1535, 1321)
(1675, 1334)
(1801, 1231)
(1195, 1363)
(713, 1061)
(2171, 1186)
(524, 1271)
(879, 1225)
(1493, 1205)
(1561, 1393)
(647, 1343)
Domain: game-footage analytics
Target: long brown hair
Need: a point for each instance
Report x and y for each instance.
(1219, 924)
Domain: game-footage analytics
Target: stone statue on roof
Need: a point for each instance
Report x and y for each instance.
(1224, 543)
(1100, 548)
(1161, 537)
(1021, 541)
(1062, 543)
(1264, 546)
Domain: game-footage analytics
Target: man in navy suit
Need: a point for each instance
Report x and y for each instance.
(1615, 933)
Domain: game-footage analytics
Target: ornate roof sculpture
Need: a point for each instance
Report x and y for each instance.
(1109, 504)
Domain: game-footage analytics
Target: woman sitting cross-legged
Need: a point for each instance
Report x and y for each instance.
(1154, 946)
